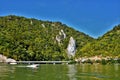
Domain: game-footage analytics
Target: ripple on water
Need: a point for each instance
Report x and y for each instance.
(5, 70)
(92, 76)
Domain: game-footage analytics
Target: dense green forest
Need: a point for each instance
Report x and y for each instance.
(107, 45)
(31, 39)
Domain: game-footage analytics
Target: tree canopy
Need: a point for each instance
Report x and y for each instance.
(107, 45)
(31, 39)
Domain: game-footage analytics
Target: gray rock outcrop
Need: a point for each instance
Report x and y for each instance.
(3, 58)
(31, 22)
(61, 36)
(9, 60)
(6, 60)
(43, 25)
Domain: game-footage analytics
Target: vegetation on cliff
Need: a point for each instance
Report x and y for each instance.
(31, 39)
(107, 45)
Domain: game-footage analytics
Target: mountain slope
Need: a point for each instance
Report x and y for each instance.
(107, 45)
(31, 39)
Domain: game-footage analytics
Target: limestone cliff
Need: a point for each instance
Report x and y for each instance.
(71, 49)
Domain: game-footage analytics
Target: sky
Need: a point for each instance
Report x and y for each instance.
(92, 17)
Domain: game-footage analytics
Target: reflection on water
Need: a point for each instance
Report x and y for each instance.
(93, 72)
(6, 70)
(60, 72)
(72, 72)
(116, 67)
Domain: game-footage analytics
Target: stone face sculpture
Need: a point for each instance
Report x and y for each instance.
(71, 49)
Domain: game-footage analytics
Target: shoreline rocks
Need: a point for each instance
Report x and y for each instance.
(98, 59)
(4, 59)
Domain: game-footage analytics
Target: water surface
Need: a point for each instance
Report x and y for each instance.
(60, 72)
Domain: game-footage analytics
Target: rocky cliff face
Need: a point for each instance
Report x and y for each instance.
(71, 49)
(61, 36)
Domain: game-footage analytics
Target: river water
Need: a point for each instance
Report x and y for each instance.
(60, 72)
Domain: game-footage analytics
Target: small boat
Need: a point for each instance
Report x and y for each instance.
(33, 66)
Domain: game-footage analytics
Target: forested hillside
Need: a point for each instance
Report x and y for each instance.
(107, 45)
(31, 39)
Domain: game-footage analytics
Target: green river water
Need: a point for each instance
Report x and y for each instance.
(60, 72)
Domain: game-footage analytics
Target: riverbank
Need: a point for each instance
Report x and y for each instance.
(98, 59)
(94, 59)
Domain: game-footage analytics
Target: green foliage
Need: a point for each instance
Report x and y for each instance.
(31, 39)
(118, 61)
(107, 45)
(103, 62)
(89, 61)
